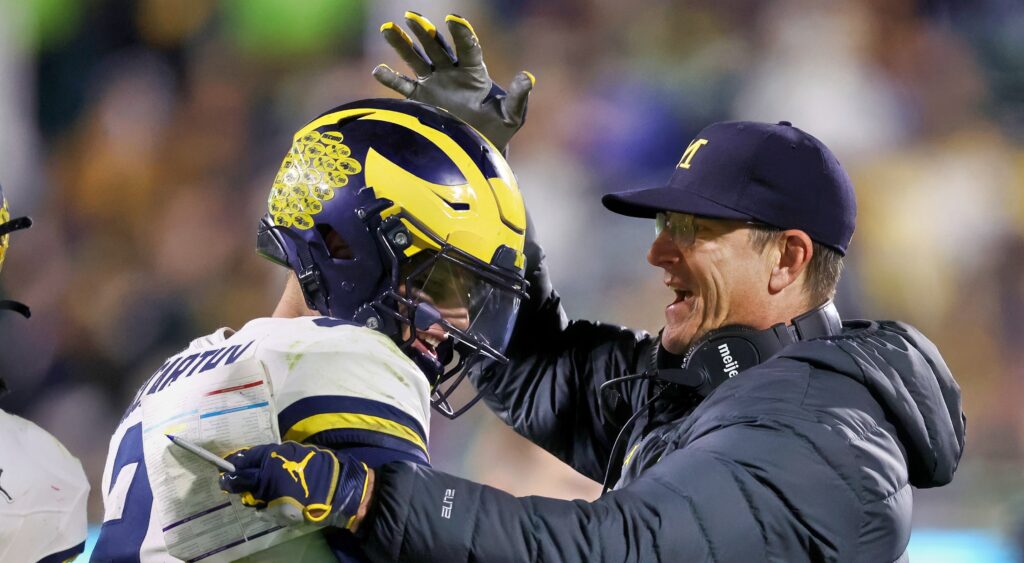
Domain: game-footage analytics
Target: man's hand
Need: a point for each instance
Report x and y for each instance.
(296, 483)
(455, 80)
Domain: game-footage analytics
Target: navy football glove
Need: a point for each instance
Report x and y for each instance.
(294, 483)
(455, 79)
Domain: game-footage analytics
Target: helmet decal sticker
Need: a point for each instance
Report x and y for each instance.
(316, 165)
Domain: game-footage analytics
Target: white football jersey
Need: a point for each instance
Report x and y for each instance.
(43, 495)
(335, 384)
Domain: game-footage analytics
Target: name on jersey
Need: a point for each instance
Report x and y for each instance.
(185, 366)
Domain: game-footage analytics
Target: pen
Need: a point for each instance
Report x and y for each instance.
(203, 453)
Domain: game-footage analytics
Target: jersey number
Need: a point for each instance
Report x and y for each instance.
(127, 502)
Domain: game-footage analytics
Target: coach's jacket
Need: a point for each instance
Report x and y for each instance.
(808, 456)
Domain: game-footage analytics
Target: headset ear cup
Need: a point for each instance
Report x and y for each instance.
(697, 348)
(714, 358)
(723, 353)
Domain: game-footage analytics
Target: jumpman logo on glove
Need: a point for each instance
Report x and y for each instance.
(296, 470)
(325, 486)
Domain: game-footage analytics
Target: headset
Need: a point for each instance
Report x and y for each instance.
(723, 353)
(717, 357)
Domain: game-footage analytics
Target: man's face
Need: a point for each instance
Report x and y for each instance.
(428, 340)
(447, 289)
(717, 276)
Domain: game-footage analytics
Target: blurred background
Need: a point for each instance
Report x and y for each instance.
(143, 138)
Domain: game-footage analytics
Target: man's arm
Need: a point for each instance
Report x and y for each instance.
(726, 494)
(697, 504)
(549, 390)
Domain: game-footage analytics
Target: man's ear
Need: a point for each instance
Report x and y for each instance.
(795, 250)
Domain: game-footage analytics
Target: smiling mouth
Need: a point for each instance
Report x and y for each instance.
(427, 343)
(681, 296)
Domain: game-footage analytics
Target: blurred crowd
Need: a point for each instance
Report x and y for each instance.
(143, 138)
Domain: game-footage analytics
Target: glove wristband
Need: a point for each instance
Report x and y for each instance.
(351, 490)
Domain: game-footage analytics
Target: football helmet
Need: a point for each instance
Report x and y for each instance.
(400, 217)
(7, 226)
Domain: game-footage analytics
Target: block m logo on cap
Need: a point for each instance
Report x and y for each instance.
(691, 150)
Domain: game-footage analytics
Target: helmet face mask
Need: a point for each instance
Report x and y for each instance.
(430, 223)
(474, 303)
(8, 226)
(475, 309)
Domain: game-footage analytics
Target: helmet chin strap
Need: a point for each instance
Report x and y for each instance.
(311, 281)
(308, 273)
(431, 367)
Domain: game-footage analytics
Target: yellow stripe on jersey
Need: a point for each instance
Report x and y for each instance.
(317, 423)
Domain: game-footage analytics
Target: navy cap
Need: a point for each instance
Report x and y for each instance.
(772, 174)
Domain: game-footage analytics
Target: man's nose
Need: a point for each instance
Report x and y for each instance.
(663, 251)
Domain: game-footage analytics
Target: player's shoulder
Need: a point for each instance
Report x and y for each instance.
(45, 491)
(313, 334)
(28, 438)
(323, 327)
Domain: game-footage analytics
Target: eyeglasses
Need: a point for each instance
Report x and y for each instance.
(681, 227)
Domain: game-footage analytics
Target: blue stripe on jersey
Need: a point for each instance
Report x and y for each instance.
(233, 409)
(120, 540)
(388, 448)
(325, 404)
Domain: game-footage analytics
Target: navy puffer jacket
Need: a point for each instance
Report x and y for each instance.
(811, 455)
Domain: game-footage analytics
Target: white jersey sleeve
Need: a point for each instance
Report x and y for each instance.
(43, 495)
(341, 385)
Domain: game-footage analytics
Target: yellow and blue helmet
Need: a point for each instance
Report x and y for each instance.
(400, 217)
(7, 226)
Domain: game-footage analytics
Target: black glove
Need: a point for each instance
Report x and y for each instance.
(455, 80)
